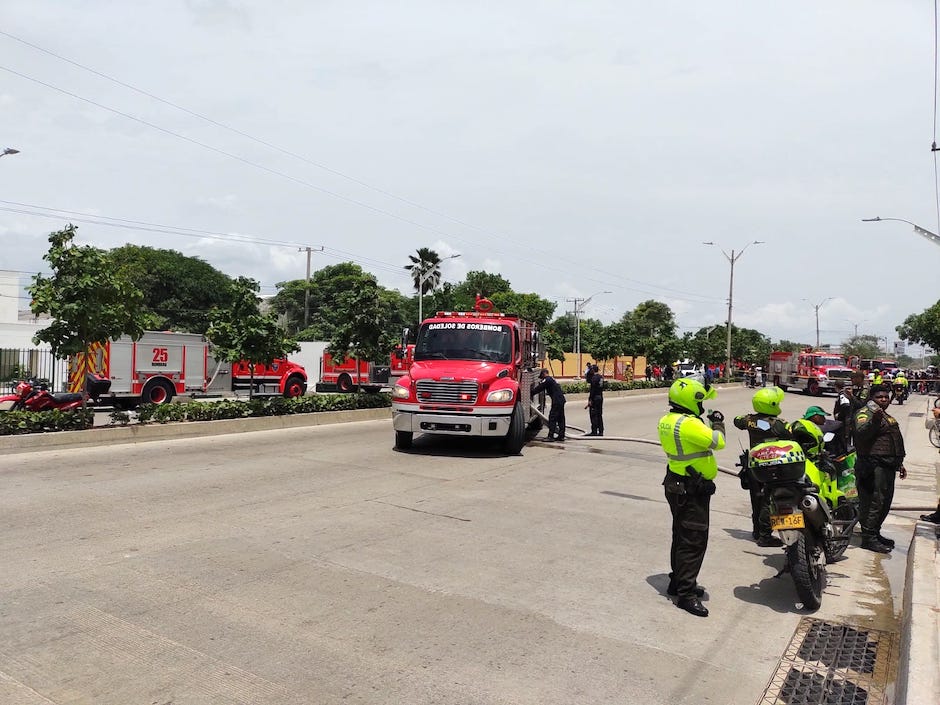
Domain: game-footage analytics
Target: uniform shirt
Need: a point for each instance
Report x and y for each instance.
(597, 387)
(552, 388)
(877, 433)
(687, 440)
(778, 428)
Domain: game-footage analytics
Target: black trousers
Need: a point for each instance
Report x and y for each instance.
(760, 508)
(556, 420)
(596, 412)
(689, 537)
(875, 484)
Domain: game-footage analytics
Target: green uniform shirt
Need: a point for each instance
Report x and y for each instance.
(687, 440)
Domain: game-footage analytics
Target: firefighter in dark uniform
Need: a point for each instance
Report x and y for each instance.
(763, 425)
(596, 401)
(556, 415)
(880, 447)
(689, 442)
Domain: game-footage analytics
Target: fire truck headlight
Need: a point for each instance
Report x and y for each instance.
(499, 396)
(400, 391)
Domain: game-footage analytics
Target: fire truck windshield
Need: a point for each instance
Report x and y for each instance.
(821, 361)
(464, 341)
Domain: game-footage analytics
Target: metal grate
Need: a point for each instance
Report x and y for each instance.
(828, 663)
(447, 392)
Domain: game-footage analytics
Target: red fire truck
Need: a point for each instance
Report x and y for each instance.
(162, 365)
(471, 376)
(810, 371)
(351, 374)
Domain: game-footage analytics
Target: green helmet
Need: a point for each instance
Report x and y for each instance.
(809, 436)
(690, 394)
(767, 401)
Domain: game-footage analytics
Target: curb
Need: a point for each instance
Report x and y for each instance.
(918, 674)
(187, 429)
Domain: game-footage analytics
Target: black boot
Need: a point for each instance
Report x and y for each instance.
(769, 541)
(692, 605)
(871, 543)
(932, 518)
(886, 541)
(673, 591)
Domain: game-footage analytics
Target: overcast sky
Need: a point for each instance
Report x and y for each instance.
(575, 148)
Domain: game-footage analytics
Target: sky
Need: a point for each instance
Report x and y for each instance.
(581, 150)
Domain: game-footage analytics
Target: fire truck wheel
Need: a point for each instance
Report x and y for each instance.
(345, 384)
(157, 391)
(295, 386)
(812, 387)
(403, 439)
(515, 439)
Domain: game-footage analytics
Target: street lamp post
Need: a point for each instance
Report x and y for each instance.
(856, 325)
(732, 258)
(423, 278)
(9, 150)
(817, 307)
(579, 305)
(933, 237)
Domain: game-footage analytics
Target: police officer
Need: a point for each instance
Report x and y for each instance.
(556, 415)
(595, 402)
(880, 447)
(688, 443)
(850, 400)
(763, 425)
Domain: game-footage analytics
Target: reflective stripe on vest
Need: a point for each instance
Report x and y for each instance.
(679, 455)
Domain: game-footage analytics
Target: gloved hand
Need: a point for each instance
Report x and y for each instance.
(717, 421)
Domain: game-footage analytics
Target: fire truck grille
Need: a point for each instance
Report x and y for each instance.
(430, 391)
(839, 374)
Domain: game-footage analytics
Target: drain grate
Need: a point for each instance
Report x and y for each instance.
(918, 414)
(828, 663)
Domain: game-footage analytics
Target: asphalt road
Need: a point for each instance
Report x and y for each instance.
(318, 565)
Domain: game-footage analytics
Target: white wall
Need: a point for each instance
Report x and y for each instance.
(310, 356)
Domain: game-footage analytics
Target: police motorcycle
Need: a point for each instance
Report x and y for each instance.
(900, 392)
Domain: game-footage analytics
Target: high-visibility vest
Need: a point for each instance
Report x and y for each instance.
(688, 441)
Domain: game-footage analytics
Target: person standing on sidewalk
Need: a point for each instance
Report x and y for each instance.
(556, 415)
(595, 405)
(689, 442)
(880, 447)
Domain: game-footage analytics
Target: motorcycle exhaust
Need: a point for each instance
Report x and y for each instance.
(815, 512)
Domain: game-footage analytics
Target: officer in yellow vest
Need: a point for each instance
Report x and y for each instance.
(689, 442)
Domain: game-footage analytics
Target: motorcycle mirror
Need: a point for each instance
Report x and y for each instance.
(763, 424)
(828, 436)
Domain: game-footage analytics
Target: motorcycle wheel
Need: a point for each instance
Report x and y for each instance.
(844, 520)
(808, 575)
(934, 436)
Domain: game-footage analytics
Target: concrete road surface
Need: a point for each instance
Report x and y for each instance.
(319, 566)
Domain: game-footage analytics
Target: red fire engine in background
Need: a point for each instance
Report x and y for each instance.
(810, 371)
(471, 375)
(161, 365)
(351, 374)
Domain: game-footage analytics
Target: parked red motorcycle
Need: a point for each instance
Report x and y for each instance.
(33, 395)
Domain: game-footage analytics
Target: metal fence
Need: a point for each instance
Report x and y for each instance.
(20, 363)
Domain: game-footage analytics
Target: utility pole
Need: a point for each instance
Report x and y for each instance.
(308, 250)
(817, 307)
(579, 305)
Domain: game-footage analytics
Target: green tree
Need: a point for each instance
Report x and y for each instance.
(655, 319)
(478, 282)
(554, 346)
(239, 331)
(923, 328)
(87, 296)
(863, 346)
(363, 334)
(607, 344)
(749, 345)
(531, 307)
(790, 346)
(425, 264)
(179, 291)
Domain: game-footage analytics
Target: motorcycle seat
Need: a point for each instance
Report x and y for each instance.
(66, 397)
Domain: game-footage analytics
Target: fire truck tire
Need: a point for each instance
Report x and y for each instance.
(345, 384)
(515, 439)
(295, 386)
(812, 388)
(157, 391)
(403, 439)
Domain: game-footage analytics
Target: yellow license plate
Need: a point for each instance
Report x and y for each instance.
(787, 521)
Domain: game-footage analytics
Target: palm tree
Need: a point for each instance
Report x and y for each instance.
(425, 266)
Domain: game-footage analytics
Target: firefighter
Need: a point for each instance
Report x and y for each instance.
(595, 403)
(763, 425)
(556, 415)
(689, 443)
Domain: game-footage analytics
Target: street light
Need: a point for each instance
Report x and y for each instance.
(817, 307)
(732, 258)
(855, 324)
(935, 239)
(579, 305)
(9, 150)
(423, 278)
